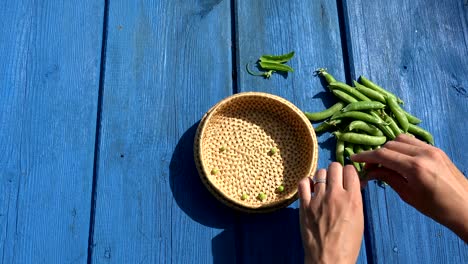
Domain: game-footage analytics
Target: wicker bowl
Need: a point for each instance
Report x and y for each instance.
(252, 143)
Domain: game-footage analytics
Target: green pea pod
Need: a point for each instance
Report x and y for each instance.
(326, 126)
(275, 66)
(359, 116)
(340, 146)
(372, 94)
(398, 113)
(379, 89)
(393, 125)
(385, 128)
(343, 96)
(363, 105)
(348, 89)
(418, 131)
(411, 118)
(328, 77)
(277, 58)
(363, 126)
(363, 139)
(317, 116)
(349, 152)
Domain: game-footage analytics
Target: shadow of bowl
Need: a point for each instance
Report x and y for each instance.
(189, 192)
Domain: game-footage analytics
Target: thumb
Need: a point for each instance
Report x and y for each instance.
(392, 178)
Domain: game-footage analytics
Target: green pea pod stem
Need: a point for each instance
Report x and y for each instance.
(339, 151)
(363, 105)
(370, 84)
(275, 66)
(349, 152)
(411, 118)
(343, 96)
(317, 116)
(277, 58)
(393, 125)
(419, 131)
(398, 113)
(363, 126)
(363, 139)
(328, 77)
(372, 94)
(359, 116)
(348, 89)
(266, 74)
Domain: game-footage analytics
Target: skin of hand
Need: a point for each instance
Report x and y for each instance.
(332, 218)
(424, 177)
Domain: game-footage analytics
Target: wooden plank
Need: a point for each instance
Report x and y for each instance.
(311, 29)
(167, 63)
(418, 50)
(49, 86)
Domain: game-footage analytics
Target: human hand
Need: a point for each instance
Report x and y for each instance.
(424, 177)
(332, 219)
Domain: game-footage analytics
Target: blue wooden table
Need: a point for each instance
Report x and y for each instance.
(100, 100)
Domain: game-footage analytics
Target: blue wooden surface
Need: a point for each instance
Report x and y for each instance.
(49, 81)
(164, 64)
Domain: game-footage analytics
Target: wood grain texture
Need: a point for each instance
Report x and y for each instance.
(167, 63)
(49, 82)
(419, 51)
(311, 29)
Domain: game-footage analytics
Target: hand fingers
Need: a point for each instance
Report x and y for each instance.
(304, 191)
(335, 176)
(350, 178)
(386, 157)
(319, 187)
(410, 140)
(403, 148)
(392, 178)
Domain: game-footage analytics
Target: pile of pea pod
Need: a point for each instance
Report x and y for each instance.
(364, 118)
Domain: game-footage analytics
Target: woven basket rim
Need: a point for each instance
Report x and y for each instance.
(203, 170)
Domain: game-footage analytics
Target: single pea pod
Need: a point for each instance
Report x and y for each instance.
(348, 89)
(398, 113)
(411, 118)
(359, 116)
(372, 94)
(317, 116)
(385, 128)
(348, 153)
(328, 77)
(393, 125)
(339, 151)
(375, 87)
(357, 138)
(363, 105)
(418, 131)
(343, 96)
(275, 66)
(365, 127)
(277, 58)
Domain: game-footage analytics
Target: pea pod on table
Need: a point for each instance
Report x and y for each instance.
(348, 89)
(356, 115)
(398, 112)
(317, 116)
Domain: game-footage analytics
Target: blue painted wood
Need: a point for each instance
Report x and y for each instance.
(167, 63)
(49, 82)
(311, 29)
(417, 49)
